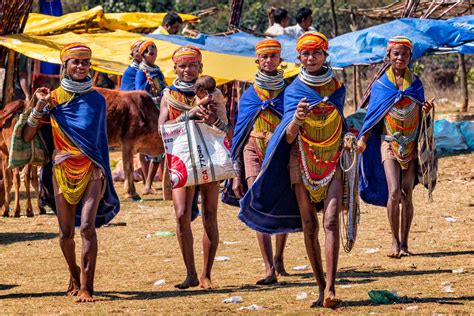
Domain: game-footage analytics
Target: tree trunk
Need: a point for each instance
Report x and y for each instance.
(236, 12)
(463, 77)
(334, 19)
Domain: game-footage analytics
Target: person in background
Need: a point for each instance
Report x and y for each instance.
(149, 78)
(128, 78)
(304, 23)
(22, 82)
(170, 25)
(278, 20)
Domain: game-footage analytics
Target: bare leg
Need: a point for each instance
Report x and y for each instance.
(392, 173)
(182, 200)
(278, 259)
(332, 206)
(90, 202)
(35, 184)
(144, 167)
(210, 240)
(66, 214)
(408, 182)
(152, 168)
(310, 231)
(265, 245)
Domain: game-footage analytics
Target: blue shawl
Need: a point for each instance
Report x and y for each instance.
(249, 109)
(270, 205)
(128, 79)
(141, 82)
(83, 120)
(372, 182)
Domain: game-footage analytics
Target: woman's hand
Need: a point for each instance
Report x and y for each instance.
(43, 95)
(361, 145)
(238, 187)
(428, 105)
(302, 110)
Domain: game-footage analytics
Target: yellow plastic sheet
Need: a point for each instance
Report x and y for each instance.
(95, 19)
(111, 54)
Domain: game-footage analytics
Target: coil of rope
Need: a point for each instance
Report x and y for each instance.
(350, 213)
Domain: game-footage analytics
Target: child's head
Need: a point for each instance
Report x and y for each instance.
(204, 85)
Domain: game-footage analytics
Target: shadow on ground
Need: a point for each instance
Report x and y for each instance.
(11, 238)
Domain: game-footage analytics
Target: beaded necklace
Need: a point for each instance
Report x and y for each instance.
(319, 144)
(316, 80)
(270, 82)
(402, 123)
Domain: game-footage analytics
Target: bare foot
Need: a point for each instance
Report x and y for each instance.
(74, 283)
(207, 284)
(269, 279)
(280, 268)
(84, 297)
(330, 300)
(149, 191)
(42, 211)
(17, 214)
(394, 255)
(190, 281)
(5, 214)
(319, 302)
(404, 252)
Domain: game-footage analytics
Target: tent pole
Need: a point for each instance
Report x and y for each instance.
(354, 86)
(463, 77)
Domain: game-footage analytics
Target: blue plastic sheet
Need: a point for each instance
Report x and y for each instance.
(448, 138)
(467, 130)
(362, 47)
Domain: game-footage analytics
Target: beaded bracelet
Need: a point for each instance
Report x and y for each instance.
(297, 120)
(32, 121)
(183, 117)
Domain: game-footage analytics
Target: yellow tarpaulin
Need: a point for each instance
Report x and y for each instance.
(41, 24)
(111, 54)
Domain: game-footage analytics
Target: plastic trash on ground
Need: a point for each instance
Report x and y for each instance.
(458, 271)
(450, 219)
(301, 296)
(231, 242)
(221, 258)
(160, 282)
(372, 250)
(164, 234)
(383, 297)
(446, 287)
(233, 300)
(301, 268)
(252, 307)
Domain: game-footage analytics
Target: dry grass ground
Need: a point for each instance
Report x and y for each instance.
(34, 276)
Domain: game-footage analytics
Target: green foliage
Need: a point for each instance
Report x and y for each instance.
(470, 76)
(418, 68)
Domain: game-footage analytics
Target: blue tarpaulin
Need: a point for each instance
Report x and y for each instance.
(362, 47)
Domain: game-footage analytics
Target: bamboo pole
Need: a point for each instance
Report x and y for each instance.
(9, 84)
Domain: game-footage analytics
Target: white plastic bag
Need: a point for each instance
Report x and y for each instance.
(196, 153)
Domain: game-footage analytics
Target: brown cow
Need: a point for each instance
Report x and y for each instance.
(8, 119)
(132, 123)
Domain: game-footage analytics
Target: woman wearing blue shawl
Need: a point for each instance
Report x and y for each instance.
(77, 182)
(301, 166)
(388, 140)
(260, 112)
(128, 78)
(149, 78)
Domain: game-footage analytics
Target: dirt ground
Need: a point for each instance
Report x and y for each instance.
(34, 276)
